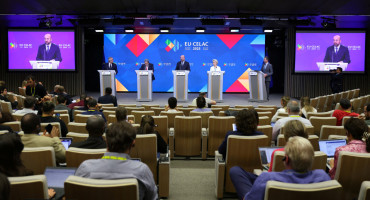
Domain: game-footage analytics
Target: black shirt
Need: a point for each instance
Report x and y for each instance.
(108, 99)
(38, 91)
(6, 128)
(63, 126)
(91, 143)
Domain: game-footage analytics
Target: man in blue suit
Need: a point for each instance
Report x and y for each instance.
(148, 66)
(49, 51)
(268, 71)
(110, 65)
(337, 52)
(182, 64)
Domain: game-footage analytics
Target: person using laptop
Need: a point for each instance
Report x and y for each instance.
(299, 156)
(95, 125)
(356, 131)
(117, 164)
(343, 111)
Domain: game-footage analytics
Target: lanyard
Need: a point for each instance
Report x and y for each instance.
(34, 91)
(91, 110)
(113, 158)
(294, 116)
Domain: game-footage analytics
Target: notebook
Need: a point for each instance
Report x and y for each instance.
(66, 141)
(329, 146)
(266, 153)
(56, 176)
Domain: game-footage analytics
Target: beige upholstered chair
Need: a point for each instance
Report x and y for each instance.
(204, 115)
(218, 127)
(314, 102)
(320, 114)
(162, 126)
(329, 103)
(223, 107)
(318, 122)
(77, 127)
(327, 130)
(314, 139)
(76, 112)
(264, 121)
(28, 187)
(171, 117)
(148, 106)
(216, 111)
(130, 109)
(138, 115)
(244, 106)
(157, 110)
(112, 118)
(16, 125)
(364, 191)
(56, 124)
(262, 114)
(110, 105)
(38, 158)
(80, 118)
(6, 106)
(75, 156)
(267, 130)
(126, 105)
(321, 103)
(109, 108)
(77, 137)
(106, 113)
(186, 111)
(319, 161)
(267, 109)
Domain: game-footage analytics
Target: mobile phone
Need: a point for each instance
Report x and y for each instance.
(57, 115)
(48, 128)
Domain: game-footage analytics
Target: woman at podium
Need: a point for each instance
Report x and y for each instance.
(215, 68)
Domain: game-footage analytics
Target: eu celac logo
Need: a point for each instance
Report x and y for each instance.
(175, 45)
(12, 45)
(299, 47)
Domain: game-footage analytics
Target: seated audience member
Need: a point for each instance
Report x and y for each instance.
(246, 125)
(284, 102)
(11, 164)
(147, 127)
(201, 105)
(79, 102)
(367, 114)
(62, 92)
(29, 106)
(34, 89)
(24, 84)
(209, 102)
(293, 112)
(343, 111)
(4, 97)
(306, 107)
(86, 101)
(108, 97)
(4, 127)
(56, 87)
(92, 105)
(117, 164)
(6, 117)
(299, 155)
(291, 129)
(356, 131)
(47, 117)
(31, 126)
(172, 105)
(121, 115)
(61, 105)
(256, 115)
(95, 125)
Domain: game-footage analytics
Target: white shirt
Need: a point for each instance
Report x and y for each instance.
(172, 110)
(280, 123)
(304, 112)
(281, 110)
(337, 48)
(215, 69)
(25, 111)
(47, 46)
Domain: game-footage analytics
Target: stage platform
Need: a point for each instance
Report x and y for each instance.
(161, 99)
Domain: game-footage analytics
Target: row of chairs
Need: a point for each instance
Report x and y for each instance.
(325, 103)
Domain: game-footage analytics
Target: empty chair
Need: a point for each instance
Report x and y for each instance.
(76, 112)
(356, 94)
(138, 115)
(80, 118)
(268, 114)
(356, 103)
(77, 127)
(148, 106)
(321, 114)
(223, 107)
(6, 106)
(364, 191)
(321, 103)
(162, 126)
(327, 130)
(186, 111)
(85, 188)
(106, 113)
(22, 91)
(126, 105)
(38, 158)
(350, 94)
(244, 106)
(319, 161)
(318, 122)
(276, 190)
(345, 95)
(216, 111)
(16, 126)
(329, 103)
(264, 120)
(171, 117)
(266, 130)
(204, 115)
(314, 102)
(217, 129)
(75, 156)
(28, 187)
(130, 109)
(272, 110)
(157, 110)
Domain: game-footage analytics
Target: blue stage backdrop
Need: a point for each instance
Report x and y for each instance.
(236, 55)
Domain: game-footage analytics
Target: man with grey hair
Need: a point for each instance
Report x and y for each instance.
(183, 64)
(148, 66)
(95, 125)
(110, 65)
(299, 155)
(293, 112)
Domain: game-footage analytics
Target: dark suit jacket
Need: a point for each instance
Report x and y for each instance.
(39, 91)
(114, 67)
(186, 66)
(54, 53)
(336, 82)
(269, 71)
(341, 55)
(91, 143)
(151, 67)
(108, 99)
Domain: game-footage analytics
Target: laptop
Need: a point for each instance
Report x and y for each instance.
(265, 153)
(56, 176)
(66, 141)
(329, 146)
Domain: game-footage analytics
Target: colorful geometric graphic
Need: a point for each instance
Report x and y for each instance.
(299, 47)
(140, 42)
(242, 84)
(230, 39)
(12, 45)
(175, 45)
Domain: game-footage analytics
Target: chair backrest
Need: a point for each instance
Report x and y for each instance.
(290, 191)
(64, 118)
(314, 102)
(171, 117)
(77, 127)
(267, 130)
(320, 114)
(28, 187)
(106, 104)
(16, 125)
(188, 135)
(244, 106)
(314, 140)
(352, 170)
(157, 110)
(61, 111)
(243, 151)
(146, 149)
(350, 94)
(80, 118)
(130, 109)
(162, 126)
(56, 124)
(329, 102)
(327, 130)
(109, 108)
(337, 97)
(20, 100)
(218, 127)
(318, 122)
(106, 113)
(321, 103)
(264, 120)
(204, 115)
(22, 91)
(6, 106)
(272, 110)
(362, 104)
(344, 120)
(75, 156)
(356, 103)
(85, 188)
(364, 191)
(186, 111)
(77, 137)
(148, 106)
(235, 109)
(112, 118)
(126, 105)
(345, 95)
(268, 114)
(281, 114)
(223, 107)
(357, 93)
(38, 158)
(76, 112)
(216, 111)
(18, 117)
(138, 115)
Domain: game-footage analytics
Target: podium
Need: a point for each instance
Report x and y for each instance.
(215, 85)
(144, 85)
(257, 87)
(44, 64)
(180, 85)
(327, 66)
(107, 79)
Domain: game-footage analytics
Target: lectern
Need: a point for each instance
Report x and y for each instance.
(327, 66)
(44, 64)
(107, 79)
(257, 87)
(180, 85)
(215, 85)
(144, 85)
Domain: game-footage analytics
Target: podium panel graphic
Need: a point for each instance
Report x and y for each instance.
(107, 79)
(144, 85)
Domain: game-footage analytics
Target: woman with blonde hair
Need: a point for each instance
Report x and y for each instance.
(215, 68)
(284, 102)
(306, 107)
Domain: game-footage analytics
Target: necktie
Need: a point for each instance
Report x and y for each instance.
(336, 49)
(110, 65)
(47, 48)
(146, 67)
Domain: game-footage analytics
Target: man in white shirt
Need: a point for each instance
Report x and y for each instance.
(29, 104)
(293, 111)
(215, 68)
(208, 101)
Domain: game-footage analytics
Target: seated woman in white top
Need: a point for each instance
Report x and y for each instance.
(215, 68)
(306, 107)
(172, 105)
(284, 103)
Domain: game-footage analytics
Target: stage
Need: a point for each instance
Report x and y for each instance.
(160, 99)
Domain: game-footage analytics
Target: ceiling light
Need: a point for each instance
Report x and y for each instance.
(164, 30)
(99, 30)
(129, 30)
(268, 30)
(235, 30)
(200, 30)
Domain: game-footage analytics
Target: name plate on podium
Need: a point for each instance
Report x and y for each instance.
(144, 73)
(180, 73)
(216, 73)
(105, 73)
(44, 65)
(253, 73)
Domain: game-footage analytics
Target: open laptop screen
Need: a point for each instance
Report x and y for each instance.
(56, 176)
(66, 141)
(329, 146)
(266, 153)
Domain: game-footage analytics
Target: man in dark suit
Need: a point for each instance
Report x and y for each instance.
(337, 52)
(108, 97)
(95, 125)
(182, 64)
(49, 51)
(336, 82)
(110, 65)
(34, 89)
(148, 66)
(268, 71)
